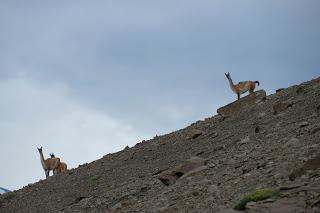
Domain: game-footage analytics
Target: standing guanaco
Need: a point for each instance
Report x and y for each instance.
(48, 164)
(62, 167)
(242, 86)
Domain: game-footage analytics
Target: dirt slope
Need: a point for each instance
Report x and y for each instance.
(258, 143)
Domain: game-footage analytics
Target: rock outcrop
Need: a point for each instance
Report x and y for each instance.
(185, 169)
(260, 142)
(242, 105)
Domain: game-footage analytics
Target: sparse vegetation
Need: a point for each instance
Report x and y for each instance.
(259, 194)
(94, 177)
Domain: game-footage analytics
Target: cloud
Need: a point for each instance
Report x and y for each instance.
(33, 114)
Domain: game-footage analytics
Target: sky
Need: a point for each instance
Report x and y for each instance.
(86, 78)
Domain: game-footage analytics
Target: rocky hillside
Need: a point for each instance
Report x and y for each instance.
(257, 142)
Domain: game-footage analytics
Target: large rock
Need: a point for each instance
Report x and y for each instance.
(280, 106)
(311, 164)
(243, 104)
(284, 205)
(194, 133)
(189, 167)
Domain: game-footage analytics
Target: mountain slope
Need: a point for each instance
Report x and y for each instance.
(3, 190)
(259, 143)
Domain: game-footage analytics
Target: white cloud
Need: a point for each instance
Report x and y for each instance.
(33, 114)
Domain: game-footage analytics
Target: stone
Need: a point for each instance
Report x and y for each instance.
(315, 130)
(301, 89)
(187, 168)
(194, 133)
(280, 106)
(243, 104)
(288, 187)
(303, 124)
(283, 205)
(213, 135)
(245, 140)
(225, 210)
(311, 164)
(292, 142)
(194, 171)
(261, 114)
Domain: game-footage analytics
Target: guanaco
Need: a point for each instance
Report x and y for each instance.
(62, 167)
(242, 86)
(49, 163)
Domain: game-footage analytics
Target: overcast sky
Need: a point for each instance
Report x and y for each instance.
(86, 78)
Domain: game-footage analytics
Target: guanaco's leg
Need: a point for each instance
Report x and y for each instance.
(238, 95)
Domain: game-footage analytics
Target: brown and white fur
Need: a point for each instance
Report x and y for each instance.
(242, 86)
(62, 167)
(48, 164)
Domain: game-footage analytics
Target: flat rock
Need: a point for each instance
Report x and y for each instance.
(243, 104)
(303, 124)
(193, 165)
(280, 106)
(284, 205)
(228, 211)
(194, 133)
(311, 164)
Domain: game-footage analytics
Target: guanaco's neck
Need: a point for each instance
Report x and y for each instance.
(231, 83)
(41, 157)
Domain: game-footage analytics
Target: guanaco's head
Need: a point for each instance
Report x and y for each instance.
(228, 75)
(40, 149)
(52, 155)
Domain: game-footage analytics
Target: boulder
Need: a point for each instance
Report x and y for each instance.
(243, 104)
(194, 133)
(280, 106)
(283, 205)
(191, 166)
(311, 164)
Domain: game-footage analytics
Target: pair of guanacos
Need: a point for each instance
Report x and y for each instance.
(242, 86)
(52, 164)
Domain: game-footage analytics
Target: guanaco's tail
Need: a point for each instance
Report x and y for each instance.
(257, 82)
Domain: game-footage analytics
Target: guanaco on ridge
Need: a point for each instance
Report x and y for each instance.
(242, 86)
(62, 167)
(49, 163)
